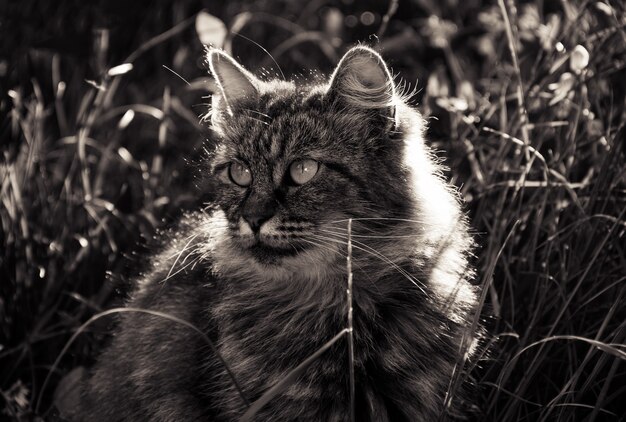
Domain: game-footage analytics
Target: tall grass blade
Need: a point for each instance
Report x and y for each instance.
(350, 322)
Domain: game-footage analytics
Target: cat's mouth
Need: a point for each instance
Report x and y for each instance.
(274, 242)
(271, 252)
(262, 248)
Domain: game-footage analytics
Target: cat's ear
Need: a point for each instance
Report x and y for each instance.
(235, 84)
(362, 80)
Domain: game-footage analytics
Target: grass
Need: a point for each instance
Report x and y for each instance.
(96, 157)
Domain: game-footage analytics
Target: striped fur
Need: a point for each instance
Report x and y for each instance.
(269, 308)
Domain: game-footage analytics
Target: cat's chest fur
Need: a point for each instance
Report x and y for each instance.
(265, 329)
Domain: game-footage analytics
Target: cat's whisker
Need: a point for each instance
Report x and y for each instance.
(367, 249)
(407, 220)
(262, 48)
(199, 259)
(374, 225)
(191, 264)
(191, 239)
(188, 241)
(365, 236)
(169, 276)
(326, 246)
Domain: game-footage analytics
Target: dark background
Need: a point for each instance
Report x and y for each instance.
(94, 162)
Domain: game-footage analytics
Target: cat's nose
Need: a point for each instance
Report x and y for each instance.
(256, 221)
(257, 215)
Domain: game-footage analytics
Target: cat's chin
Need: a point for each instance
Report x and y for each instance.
(282, 260)
(271, 255)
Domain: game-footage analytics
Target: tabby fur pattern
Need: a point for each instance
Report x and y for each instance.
(262, 272)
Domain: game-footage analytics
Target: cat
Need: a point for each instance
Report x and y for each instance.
(262, 272)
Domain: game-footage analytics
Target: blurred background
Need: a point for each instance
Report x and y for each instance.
(101, 136)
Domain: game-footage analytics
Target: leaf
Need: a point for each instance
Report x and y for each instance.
(452, 104)
(562, 88)
(120, 69)
(333, 23)
(210, 30)
(126, 119)
(579, 59)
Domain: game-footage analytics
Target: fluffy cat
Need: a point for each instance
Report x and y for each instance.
(263, 272)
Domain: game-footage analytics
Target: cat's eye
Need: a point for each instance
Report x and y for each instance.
(240, 174)
(302, 171)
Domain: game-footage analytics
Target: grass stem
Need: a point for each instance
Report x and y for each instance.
(350, 321)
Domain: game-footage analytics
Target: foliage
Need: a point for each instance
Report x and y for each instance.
(526, 98)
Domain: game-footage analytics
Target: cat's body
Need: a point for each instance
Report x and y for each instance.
(263, 274)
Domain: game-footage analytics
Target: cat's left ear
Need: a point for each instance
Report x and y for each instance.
(235, 84)
(363, 81)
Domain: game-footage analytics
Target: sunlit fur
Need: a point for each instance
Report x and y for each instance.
(269, 307)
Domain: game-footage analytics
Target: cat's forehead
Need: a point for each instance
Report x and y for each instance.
(286, 112)
(287, 99)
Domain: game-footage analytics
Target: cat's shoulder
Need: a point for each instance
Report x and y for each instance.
(181, 264)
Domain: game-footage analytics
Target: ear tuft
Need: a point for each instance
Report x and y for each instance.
(362, 80)
(235, 83)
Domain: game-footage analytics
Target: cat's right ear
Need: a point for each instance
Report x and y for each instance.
(362, 81)
(235, 84)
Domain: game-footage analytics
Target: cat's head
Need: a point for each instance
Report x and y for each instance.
(295, 161)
